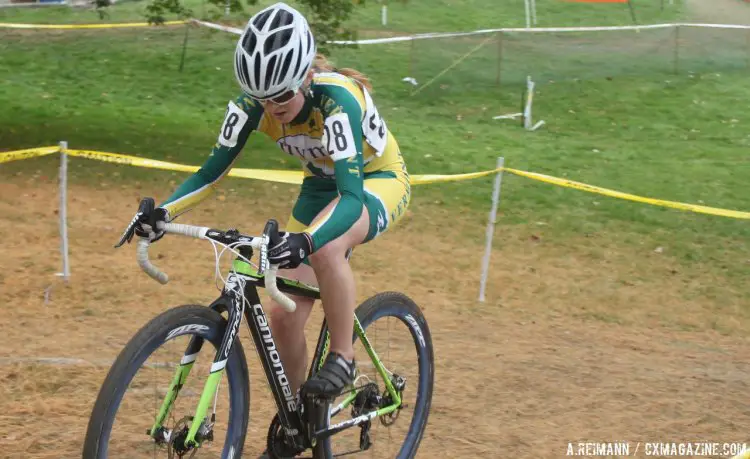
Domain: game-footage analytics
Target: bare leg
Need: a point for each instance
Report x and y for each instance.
(289, 329)
(333, 274)
(337, 287)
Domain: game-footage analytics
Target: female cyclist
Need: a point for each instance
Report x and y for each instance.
(355, 181)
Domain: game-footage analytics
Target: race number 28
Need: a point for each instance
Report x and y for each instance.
(339, 137)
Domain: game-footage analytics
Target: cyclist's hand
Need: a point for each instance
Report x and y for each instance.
(290, 250)
(144, 222)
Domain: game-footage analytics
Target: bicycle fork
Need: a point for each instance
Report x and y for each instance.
(234, 284)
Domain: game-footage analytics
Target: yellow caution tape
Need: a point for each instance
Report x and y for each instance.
(630, 197)
(26, 154)
(269, 175)
(432, 178)
(131, 160)
(296, 177)
(11, 25)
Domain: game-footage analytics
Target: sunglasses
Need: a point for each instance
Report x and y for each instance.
(282, 99)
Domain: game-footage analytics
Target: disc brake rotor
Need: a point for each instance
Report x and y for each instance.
(176, 445)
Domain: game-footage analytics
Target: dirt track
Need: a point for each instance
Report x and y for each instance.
(574, 344)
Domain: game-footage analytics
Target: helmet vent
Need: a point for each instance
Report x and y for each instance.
(244, 74)
(277, 41)
(249, 42)
(256, 70)
(296, 66)
(284, 67)
(270, 71)
(260, 21)
(282, 18)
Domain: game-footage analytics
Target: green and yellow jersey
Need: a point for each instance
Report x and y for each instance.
(345, 148)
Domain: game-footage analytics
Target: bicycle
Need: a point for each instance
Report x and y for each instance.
(302, 422)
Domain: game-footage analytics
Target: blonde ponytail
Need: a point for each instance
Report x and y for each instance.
(322, 64)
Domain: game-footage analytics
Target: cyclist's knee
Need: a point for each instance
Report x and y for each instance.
(334, 251)
(290, 323)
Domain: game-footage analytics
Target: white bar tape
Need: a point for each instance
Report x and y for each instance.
(270, 282)
(198, 232)
(273, 290)
(142, 257)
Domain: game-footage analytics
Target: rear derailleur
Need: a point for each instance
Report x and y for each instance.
(367, 399)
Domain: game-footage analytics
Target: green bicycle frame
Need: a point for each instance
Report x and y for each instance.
(382, 371)
(245, 276)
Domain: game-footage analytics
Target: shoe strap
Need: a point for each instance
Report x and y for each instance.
(337, 370)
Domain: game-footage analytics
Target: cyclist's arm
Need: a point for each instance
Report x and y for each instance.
(343, 136)
(242, 117)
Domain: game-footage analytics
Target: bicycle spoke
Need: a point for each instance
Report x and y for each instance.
(388, 386)
(173, 398)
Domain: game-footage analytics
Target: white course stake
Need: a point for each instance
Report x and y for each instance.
(384, 14)
(512, 116)
(529, 101)
(63, 211)
(527, 118)
(491, 228)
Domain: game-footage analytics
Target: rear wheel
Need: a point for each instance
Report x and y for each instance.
(135, 387)
(399, 335)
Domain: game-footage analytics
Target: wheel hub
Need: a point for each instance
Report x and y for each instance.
(399, 384)
(176, 446)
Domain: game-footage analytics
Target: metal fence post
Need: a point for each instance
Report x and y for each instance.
(491, 228)
(63, 211)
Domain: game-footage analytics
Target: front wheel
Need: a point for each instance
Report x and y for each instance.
(140, 389)
(398, 337)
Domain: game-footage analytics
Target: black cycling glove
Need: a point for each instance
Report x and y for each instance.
(144, 223)
(290, 250)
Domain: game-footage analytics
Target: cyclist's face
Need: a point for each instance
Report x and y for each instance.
(285, 109)
(286, 112)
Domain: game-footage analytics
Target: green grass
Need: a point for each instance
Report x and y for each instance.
(619, 118)
(403, 16)
(456, 15)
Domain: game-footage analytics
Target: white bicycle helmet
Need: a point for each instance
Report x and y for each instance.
(274, 53)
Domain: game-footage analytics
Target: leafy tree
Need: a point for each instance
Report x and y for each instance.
(326, 17)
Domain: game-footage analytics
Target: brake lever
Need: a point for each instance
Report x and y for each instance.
(146, 207)
(270, 234)
(129, 232)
